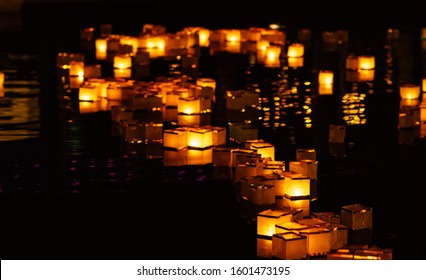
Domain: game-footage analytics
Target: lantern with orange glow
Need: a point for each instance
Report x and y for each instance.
(295, 62)
(175, 157)
(233, 35)
(101, 86)
(422, 113)
(1, 79)
(296, 185)
(222, 156)
(77, 68)
(219, 135)
(244, 170)
(199, 156)
(306, 167)
(114, 92)
(357, 216)
(352, 62)
(409, 91)
(136, 131)
(266, 150)
(101, 48)
(366, 75)
(264, 247)
(302, 202)
(76, 81)
(87, 93)
(325, 89)
(325, 77)
(175, 138)
(318, 240)
(86, 107)
(274, 179)
(366, 62)
(92, 71)
(193, 120)
(194, 105)
(199, 138)
(289, 246)
(206, 82)
(291, 226)
(267, 219)
(338, 235)
(272, 56)
(295, 50)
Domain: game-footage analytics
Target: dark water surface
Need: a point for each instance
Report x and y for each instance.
(70, 188)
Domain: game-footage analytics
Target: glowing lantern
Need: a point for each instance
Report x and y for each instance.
(87, 93)
(199, 156)
(289, 246)
(242, 156)
(409, 91)
(262, 194)
(423, 113)
(264, 247)
(306, 154)
(172, 98)
(336, 133)
(1, 79)
(114, 93)
(267, 219)
(296, 185)
(203, 37)
(77, 68)
(233, 35)
(365, 75)
(424, 87)
(175, 138)
(272, 166)
(262, 45)
(318, 240)
(366, 62)
(219, 135)
(325, 89)
(101, 48)
(352, 62)
(357, 216)
(325, 77)
(295, 50)
(302, 202)
(245, 170)
(193, 120)
(76, 81)
(272, 56)
(199, 138)
(194, 105)
(222, 156)
(295, 62)
(266, 150)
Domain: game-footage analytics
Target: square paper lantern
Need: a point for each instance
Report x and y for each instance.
(365, 75)
(200, 138)
(77, 68)
(296, 50)
(273, 56)
(222, 156)
(200, 156)
(302, 202)
(267, 219)
(325, 89)
(175, 157)
(194, 105)
(338, 235)
(101, 48)
(409, 91)
(305, 167)
(366, 62)
(296, 185)
(87, 93)
(245, 170)
(423, 113)
(336, 133)
(175, 138)
(262, 194)
(248, 143)
(266, 150)
(275, 179)
(289, 246)
(357, 216)
(206, 82)
(272, 166)
(306, 154)
(312, 222)
(93, 71)
(219, 135)
(295, 62)
(318, 240)
(1, 79)
(75, 81)
(325, 77)
(243, 156)
(114, 92)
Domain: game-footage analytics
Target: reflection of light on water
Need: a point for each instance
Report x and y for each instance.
(353, 107)
(19, 115)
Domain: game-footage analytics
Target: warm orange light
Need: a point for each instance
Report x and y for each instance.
(200, 138)
(175, 138)
(87, 93)
(424, 85)
(204, 37)
(77, 68)
(101, 48)
(409, 91)
(233, 35)
(1, 79)
(272, 56)
(122, 61)
(267, 219)
(366, 62)
(325, 77)
(296, 50)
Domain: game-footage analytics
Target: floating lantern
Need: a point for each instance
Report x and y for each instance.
(306, 154)
(203, 37)
(114, 92)
(318, 240)
(272, 56)
(302, 202)
(266, 150)
(424, 87)
(175, 157)
(199, 156)
(86, 107)
(352, 62)
(357, 216)
(101, 48)
(87, 93)
(296, 185)
(245, 170)
(291, 226)
(264, 247)
(295, 62)
(325, 77)
(274, 179)
(272, 166)
(338, 235)
(218, 135)
(193, 120)
(200, 138)
(409, 91)
(1, 79)
(325, 89)
(289, 246)
(296, 50)
(175, 138)
(336, 133)
(422, 113)
(233, 35)
(366, 62)
(222, 156)
(365, 75)
(306, 167)
(267, 219)
(262, 194)
(76, 68)
(194, 105)
(76, 81)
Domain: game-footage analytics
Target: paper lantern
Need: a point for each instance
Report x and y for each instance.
(87, 93)
(175, 138)
(200, 138)
(243, 156)
(295, 62)
(424, 87)
(357, 216)
(306, 154)
(101, 48)
(336, 133)
(325, 77)
(266, 150)
(123, 73)
(87, 107)
(77, 68)
(233, 35)
(193, 120)
(325, 89)
(222, 156)
(409, 91)
(114, 93)
(272, 166)
(262, 194)
(76, 81)
(306, 167)
(338, 235)
(194, 105)
(275, 179)
(352, 63)
(272, 56)
(219, 135)
(302, 202)
(366, 62)
(175, 157)
(245, 170)
(295, 50)
(267, 219)
(203, 37)
(206, 82)
(199, 156)
(122, 62)
(296, 185)
(365, 75)
(289, 246)
(264, 247)
(422, 113)
(1, 79)
(318, 240)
